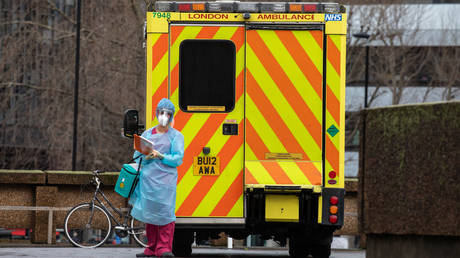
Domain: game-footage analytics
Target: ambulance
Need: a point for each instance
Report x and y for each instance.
(259, 90)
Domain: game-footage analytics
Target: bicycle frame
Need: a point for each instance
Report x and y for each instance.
(95, 199)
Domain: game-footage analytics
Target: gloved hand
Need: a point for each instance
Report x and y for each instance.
(154, 155)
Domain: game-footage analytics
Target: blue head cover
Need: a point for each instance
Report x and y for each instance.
(166, 104)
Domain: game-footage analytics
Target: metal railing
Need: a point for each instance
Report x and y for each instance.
(42, 208)
(39, 208)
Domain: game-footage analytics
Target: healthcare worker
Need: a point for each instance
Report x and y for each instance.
(154, 198)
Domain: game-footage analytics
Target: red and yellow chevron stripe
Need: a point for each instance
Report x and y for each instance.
(284, 113)
(335, 105)
(284, 84)
(157, 75)
(204, 196)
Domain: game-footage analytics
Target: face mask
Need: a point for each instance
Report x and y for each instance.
(163, 119)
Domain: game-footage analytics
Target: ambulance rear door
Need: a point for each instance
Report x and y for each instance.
(284, 108)
(206, 84)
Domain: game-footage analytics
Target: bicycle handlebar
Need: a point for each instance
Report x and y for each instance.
(97, 172)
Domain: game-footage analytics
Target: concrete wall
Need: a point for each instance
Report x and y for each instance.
(67, 189)
(48, 188)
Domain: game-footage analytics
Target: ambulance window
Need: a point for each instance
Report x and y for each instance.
(207, 75)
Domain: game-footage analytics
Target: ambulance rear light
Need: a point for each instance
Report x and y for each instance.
(165, 6)
(332, 174)
(184, 7)
(333, 209)
(272, 7)
(295, 8)
(304, 7)
(334, 200)
(189, 6)
(331, 7)
(220, 7)
(333, 219)
(199, 7)
(310, 8)
(247, 7)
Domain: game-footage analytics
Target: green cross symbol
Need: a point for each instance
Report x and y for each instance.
(332, 130)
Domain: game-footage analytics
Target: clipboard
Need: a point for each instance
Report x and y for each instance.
(143, 145)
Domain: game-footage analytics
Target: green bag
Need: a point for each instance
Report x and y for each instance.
(127, 180)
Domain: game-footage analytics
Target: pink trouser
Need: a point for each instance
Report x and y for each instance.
(160, 239)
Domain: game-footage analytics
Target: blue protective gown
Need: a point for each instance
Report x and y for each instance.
(154, 199)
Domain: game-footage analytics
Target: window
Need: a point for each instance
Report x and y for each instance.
(207, 76)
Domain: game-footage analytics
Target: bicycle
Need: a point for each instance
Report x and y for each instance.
(89, 225)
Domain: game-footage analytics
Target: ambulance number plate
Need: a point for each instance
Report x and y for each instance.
(206, 166)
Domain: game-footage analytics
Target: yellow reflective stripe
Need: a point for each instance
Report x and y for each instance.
(259, 172)
(337, 41)
(333, 80)
(283, 108)
(175, 99)
(336, 84)
(225, 32)
(328, 168)
(160, 72)
(294, 173)
(192, 127)
(185, 186)
(219, 188)
(218, 140)
(155, 37)
(249, 153)
(148, 102)
(318, 166)
(237, 210)
(313, 50)
(291, 69)
(189, 32)
(154, 78)
(331, 121)
(239, 66)
(262, 128)
(196, 122)
(342, 109)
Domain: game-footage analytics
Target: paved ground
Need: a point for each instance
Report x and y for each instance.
(130, 252)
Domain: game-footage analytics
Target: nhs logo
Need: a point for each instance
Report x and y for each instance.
(333, 17)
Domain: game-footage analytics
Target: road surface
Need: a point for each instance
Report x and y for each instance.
(131, 252)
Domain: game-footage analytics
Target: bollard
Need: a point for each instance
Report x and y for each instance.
(229, 242)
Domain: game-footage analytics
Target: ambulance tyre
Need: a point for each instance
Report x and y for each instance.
(182, 243)
(297, 248)
(321, 245)
(321, 251)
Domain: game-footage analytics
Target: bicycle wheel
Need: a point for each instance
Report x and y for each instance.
(87, 225)
(138, 232)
